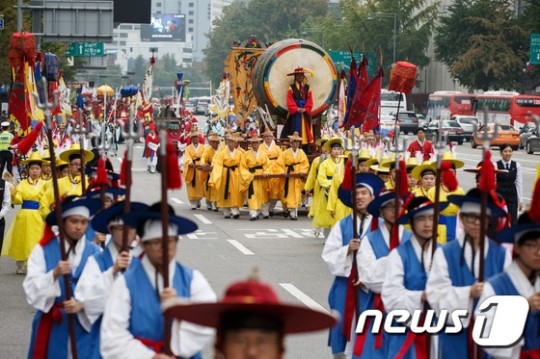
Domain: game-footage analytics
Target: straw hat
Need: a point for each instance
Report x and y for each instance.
(235, 136)
(75, 149)
(35, 157)
(295, 137)
(364, 155)
(419, 170)
(255, 138)
(333, 142)
(267, 132)
(214, 137)
(449, 156)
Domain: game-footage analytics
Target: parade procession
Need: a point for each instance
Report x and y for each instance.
(289, 221)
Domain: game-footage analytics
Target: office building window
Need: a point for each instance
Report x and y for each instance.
(190, 29)
(191, 4)
(158, 4)
(123, 34)
(190, 21)
(122, 43)
(191, 13)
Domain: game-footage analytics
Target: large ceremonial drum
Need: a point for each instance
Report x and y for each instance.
(270, 80)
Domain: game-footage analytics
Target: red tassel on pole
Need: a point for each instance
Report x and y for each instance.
(174, 180)
(448, 177)
(347, 176)
(101, 175)
(403, 179)
(48, 234)
(123, 170)
(26, 144)
(534, 214)
(487, 174)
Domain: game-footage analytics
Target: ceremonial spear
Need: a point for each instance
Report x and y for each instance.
(170, 179)
(46, 107)
(485, 184)
(125, 172)
(354, 148)
(440, 144)
(82, 132)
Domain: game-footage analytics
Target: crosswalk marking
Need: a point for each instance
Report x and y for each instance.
(202, 218)
(301, 296)
(240, 247)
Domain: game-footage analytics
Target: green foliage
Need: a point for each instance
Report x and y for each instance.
(269, 20)
(483, 44)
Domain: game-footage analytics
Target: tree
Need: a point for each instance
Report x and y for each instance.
(269, 20)
(483, 44)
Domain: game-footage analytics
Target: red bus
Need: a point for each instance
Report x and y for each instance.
(497, 104)
(445, 104)
(522, 107)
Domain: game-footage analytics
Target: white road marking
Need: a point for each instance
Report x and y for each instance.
(240, 247)
(176, 200)
(301, 296)
(292, 233)
(202, 218)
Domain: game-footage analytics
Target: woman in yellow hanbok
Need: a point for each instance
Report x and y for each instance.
(312, 185)
(27, 228)
(330, 167)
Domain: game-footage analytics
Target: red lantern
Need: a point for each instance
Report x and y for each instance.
(402, 77)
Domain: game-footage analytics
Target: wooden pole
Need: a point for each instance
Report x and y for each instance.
(47, 107)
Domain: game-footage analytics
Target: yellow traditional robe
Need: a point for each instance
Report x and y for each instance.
(207, 158)
(327, 170)
(292, 163)
(194, 178)
(257, 164)
(65, 188)
(334, 203)
(273, 185)
(312, 185)
(450, 211)
(233, 164)
(27, 228)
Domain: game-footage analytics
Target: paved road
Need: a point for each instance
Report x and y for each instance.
(286, 253)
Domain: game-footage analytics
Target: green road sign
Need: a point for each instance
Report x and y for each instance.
(535, 49)
(342, 60)
(85, 49)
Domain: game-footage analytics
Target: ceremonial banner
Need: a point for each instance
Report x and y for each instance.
(240, 66)
(355, 116)
(341, 100)
(351, 89)
(370, 102)
(147, 83)
(221, 99)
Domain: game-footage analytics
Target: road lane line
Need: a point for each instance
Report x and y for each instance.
(292, 233)
(176, 200)
(240, 247)
(202, 218)
(301, 296)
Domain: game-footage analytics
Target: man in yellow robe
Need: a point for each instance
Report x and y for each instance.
(257, 164)
(272, 185)
(207, 159)
(70, 185)
(193, 177)
(293, 161)
(228, 169)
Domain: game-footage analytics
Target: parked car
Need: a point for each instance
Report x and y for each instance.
(533, 144)
(408, 122)
(506, 134)
(422, 121)
(201, 108)
(528, 130)
(467, 123)
(451, 129)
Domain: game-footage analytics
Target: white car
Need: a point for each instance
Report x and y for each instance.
(467, 123)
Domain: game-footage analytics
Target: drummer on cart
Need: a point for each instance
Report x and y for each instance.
(299, 104)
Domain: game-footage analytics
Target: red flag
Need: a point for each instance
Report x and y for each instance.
(355, 114)
(28, 141)
(371, 100)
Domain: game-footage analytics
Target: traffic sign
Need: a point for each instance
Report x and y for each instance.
(1, 23)
(85, 49)
(343, 59)
(534, 57)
